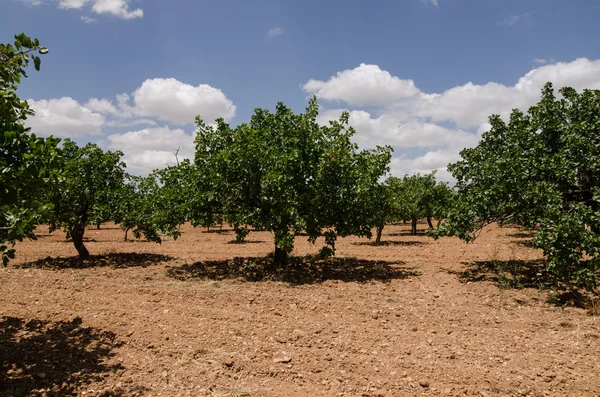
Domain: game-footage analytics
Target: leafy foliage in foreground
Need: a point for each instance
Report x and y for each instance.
(27, 162)
(541, 170)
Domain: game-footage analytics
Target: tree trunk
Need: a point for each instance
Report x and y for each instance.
(379, 233)
(280, 259)
(221, 227)
(126, 231)
(98, 226)
(413, 229)
(77, 236)
(429, 222)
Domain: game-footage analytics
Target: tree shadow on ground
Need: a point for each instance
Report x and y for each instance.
(408, 233)
(115, 260)
(524, 243)
(522, 234)
(245, 242)
(85, 240)
(518, 274)
(299, 270)
(390, 242)
(218, 231)
(513, 274)
(52, 358)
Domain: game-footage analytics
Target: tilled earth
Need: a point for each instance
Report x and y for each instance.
(413, 317)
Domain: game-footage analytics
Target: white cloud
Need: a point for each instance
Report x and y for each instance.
(539, 61)
(515, 19)
(103, 106)
(177, 102)
(395, 130)
(274, 32)
(88, 20)
(63, 117)
(441, 123)
(151, 148)
(164, 99)
(470, 105)
(432, 2)
(366, 84)
(117, 8)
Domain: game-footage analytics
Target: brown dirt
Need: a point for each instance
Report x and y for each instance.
(414, 317)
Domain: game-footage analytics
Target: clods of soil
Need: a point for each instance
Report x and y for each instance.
(410, 317)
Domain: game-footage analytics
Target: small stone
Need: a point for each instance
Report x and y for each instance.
(424, 383)
(283, 360)
(41, 375)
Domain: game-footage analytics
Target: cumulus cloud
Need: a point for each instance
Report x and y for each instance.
(164, 99)
(64, 117)
(150, 148)
(274, 32)
(118, 8)
(364, 85)
(428, 130)
(177, 102)
(470, 105)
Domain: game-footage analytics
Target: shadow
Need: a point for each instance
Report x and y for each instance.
(408, 233)
(85, 240)
(52, 358)
(116, 260)
(245, 242)
(523, 234)
(217, 231)
(133, 391)
(515, 274)
(524, 243)
(389, 242)
(43, 235)
(299, 270)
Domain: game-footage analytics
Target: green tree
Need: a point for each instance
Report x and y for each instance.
(90, 176)
(437, 201)
(155, 205)
(541, 170)
(284, 173)
(414, 196)
(28, 164)
(384, 205)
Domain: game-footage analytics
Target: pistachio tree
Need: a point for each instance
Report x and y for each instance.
(90, 177)
(284, 173)
(541, 169)
(28, 164)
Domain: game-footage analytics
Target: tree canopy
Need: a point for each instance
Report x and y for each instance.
(91, 176)
(27, 162)
(283, 172)
(540, 170)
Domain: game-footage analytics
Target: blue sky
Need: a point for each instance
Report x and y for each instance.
(224, 58)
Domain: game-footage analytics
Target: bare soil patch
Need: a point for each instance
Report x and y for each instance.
(410, 317)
